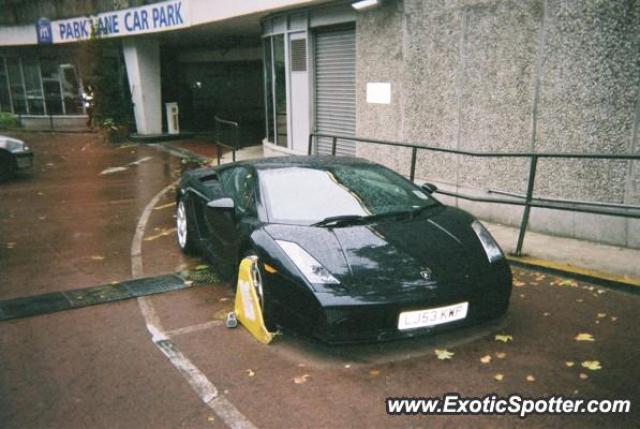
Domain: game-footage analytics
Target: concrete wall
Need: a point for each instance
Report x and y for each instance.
(544, 76)
(142, 59)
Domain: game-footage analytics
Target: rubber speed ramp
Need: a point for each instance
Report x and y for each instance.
(65, 300)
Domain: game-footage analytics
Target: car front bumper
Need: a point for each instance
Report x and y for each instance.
(24, 159)
(378, 321)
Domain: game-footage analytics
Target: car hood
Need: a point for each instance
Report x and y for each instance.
(389, 257)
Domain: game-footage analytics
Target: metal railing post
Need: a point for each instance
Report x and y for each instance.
(236, 143)
(414, 152)
(310, 144)
(333, 145)
(527, 204)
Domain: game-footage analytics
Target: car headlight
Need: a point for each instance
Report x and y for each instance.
(307, 264)
(490, 246)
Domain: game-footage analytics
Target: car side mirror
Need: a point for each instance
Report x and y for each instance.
(221, 203)
(429, 188)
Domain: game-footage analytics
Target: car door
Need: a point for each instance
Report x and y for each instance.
(224, 226)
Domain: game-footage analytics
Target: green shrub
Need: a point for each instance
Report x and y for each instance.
(8, 120)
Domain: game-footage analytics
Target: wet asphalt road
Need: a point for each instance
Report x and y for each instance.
(64, 226)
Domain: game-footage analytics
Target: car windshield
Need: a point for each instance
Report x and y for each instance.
(308, 194)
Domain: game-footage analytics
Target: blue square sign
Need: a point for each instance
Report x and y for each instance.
(43, 30)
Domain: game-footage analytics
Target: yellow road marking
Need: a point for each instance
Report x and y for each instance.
(628, 280)
(164, 206)
(161, 234)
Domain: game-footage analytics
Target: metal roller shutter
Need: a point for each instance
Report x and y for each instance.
(335, 88)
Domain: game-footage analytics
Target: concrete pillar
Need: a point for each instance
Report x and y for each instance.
(142, 58)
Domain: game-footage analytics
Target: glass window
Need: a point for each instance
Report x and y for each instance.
(16, 85)
(70, 90)
(281, 90)
(269, 89)
(305, 195)
(51, 86)
(33, 86)
(5, 100)
(239, 184)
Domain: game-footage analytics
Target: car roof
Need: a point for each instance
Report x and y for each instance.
(304, 161)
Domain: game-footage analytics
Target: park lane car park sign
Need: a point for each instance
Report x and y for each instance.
(168, 15)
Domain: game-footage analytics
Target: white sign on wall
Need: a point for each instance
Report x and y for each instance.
(163, 16)
(379, 92)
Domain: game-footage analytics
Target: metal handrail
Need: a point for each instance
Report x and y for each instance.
(218, 123)
(527, 200)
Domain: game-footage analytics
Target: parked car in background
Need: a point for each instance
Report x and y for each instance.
(345, 249)
(14, 155)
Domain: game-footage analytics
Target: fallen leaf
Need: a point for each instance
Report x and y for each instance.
(518, 283)
(97, 258)
(614, 318)
(602, 315)
(443, 354)
(522, 295)
(11, 245)
(546, 314)
(222, 314)
(347, 366)
(201, 267)
(301, 379)
(593, 365)
(583, 376)
(570, 283)
(498, 377)
(485, 359)
(579, 300)
(569, 363)
(504, 338)
(584, 337)
(540, 278)
(250, 372)
(374, 372)
(601, 291)
(530, 378)
(501, 355)
(223, 299)
(211, 419)
(188, 282)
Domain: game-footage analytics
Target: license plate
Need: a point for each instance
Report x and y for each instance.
(432, 316)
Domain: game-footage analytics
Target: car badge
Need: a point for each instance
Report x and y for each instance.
(426, 274)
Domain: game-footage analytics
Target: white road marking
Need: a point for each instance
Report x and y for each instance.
(111, 170)
(193, 328)
(207, 392)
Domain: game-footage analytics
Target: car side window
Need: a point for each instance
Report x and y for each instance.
(239, 184)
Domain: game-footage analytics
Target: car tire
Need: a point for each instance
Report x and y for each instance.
(184, 229)
(256, 274)
(7, 166)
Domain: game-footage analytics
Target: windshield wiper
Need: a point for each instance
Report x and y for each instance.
(342, 220)
(415, 212)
